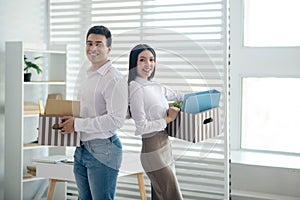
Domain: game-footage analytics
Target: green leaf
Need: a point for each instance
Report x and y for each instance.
(32, 65)
(38, 57)
(177, 104)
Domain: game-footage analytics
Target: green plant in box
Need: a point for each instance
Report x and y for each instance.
(31, 65)
(177, 104)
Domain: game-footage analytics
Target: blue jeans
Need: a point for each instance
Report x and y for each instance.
(96, 167)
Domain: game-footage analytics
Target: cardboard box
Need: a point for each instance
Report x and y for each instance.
(49, 132)
(57, 96)
(62, 107)
(196, 127)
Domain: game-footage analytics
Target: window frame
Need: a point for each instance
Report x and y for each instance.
(281, 62)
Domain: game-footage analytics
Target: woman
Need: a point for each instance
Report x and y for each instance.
(150, 110)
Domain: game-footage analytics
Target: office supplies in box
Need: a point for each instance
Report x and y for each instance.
(49, 132)
(196, 127)
(200, 101)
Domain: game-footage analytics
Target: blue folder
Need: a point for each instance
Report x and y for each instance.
(197, 102)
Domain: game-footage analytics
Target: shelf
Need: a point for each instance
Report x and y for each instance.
(44, 51)
(30, 114)
(42, 48)
(32, 146)
(45, 83)
(22, 111)
(34, 178)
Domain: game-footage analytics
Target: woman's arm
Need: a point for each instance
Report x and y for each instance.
(172, 95)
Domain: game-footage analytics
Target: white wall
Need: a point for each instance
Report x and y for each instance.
(22, 21)
(262, 182)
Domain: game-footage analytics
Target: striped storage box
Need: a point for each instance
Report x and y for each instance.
(48, 134)
(196, 127)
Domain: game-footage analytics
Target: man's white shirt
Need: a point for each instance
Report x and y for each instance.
(103, 97)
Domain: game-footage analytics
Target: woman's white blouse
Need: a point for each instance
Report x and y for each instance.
(149, 105)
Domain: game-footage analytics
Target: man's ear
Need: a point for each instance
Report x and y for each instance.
(109, 48)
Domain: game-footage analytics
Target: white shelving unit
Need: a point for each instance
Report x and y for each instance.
(20, 127)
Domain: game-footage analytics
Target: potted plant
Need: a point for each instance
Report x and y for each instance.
(29, 65)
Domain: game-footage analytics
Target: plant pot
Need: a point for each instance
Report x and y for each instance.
(27, 77)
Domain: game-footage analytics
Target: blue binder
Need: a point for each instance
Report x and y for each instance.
(197, 102)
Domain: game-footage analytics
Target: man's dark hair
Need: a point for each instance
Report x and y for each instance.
(101, 30)
(133, 58)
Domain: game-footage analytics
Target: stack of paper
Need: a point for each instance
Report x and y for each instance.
(31, 108)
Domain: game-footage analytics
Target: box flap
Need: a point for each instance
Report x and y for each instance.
(57, 96)
(62, 107)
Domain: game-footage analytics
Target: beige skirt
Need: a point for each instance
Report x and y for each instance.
(158, 163)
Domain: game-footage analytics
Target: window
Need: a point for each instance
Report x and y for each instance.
(271, 23)
(190, 38)
(262, 67)
(271, 114)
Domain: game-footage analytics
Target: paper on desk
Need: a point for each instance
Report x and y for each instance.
(54, 159)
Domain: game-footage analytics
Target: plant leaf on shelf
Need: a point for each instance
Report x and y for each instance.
(30, 64)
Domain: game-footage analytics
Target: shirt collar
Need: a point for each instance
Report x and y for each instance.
(141, 80)
(104, 68)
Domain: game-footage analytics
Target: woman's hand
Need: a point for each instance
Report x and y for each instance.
(172, 114)
(67, 125)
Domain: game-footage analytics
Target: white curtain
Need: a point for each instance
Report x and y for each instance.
(190, 39)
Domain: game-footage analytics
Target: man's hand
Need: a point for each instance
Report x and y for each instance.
(67, 124)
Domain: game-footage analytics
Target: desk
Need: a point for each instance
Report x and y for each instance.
(62, 172)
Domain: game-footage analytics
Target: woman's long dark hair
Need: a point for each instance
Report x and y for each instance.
(133, 58)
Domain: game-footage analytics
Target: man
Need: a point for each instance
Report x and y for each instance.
(103, 106)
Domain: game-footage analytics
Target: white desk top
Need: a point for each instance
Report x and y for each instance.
(64, 171)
